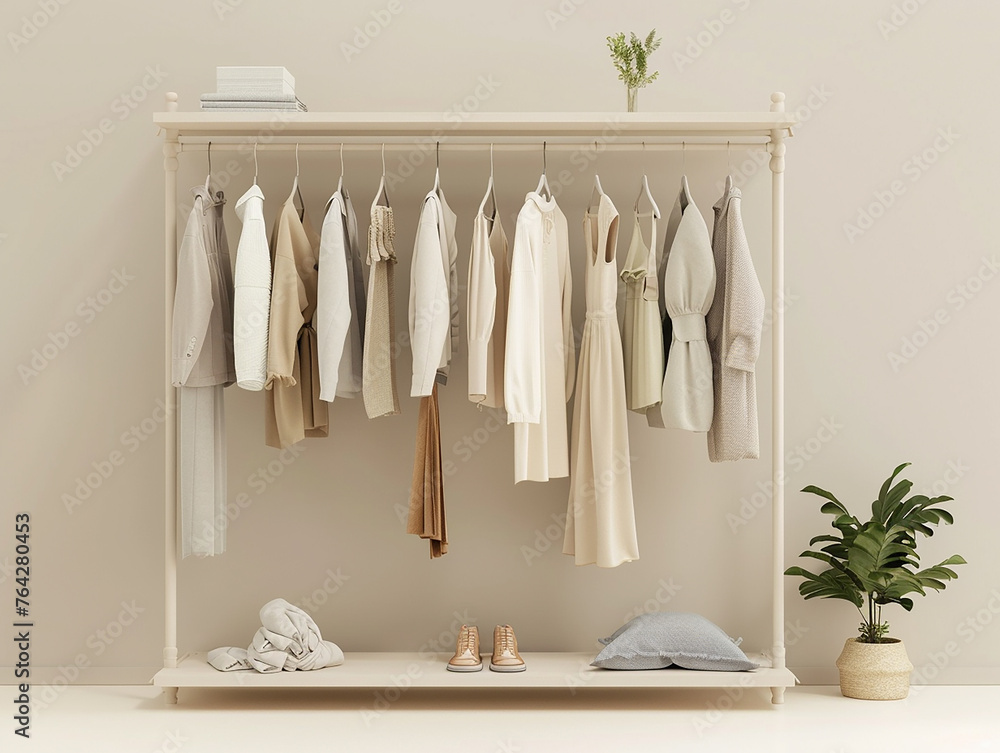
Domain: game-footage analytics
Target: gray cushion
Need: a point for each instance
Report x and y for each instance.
(664, 639)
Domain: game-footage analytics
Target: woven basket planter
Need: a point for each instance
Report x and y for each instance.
(874, 671)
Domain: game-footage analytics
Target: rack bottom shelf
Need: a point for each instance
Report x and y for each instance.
(414, 670)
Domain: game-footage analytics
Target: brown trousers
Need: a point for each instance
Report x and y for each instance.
(427, 518)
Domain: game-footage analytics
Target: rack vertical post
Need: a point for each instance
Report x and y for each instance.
(171, 148)
(777, 165)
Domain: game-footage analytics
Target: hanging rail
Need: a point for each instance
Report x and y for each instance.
(453, 143)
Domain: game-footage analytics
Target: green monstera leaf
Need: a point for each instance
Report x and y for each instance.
(876, 562)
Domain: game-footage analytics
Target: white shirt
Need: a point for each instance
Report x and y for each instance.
(339, 293)
(541, 351)
(433, 295)
(252, 299)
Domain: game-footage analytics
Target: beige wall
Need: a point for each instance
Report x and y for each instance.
(871, 97)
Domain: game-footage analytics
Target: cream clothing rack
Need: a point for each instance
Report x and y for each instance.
(191, 131)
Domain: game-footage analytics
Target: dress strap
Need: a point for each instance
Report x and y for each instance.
(651, 289)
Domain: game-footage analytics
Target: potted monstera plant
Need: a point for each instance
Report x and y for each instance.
(874, 564)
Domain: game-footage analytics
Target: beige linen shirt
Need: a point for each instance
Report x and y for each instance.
(293, 407)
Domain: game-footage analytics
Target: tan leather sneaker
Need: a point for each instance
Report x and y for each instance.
(467, 658)
(505, 656)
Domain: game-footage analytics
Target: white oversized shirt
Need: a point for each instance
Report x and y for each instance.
(540, 356)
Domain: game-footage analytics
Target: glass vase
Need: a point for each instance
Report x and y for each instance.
(632, 92)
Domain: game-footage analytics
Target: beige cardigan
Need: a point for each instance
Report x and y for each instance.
(734, 332)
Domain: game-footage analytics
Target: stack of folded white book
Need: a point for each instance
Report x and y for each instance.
(255, 88)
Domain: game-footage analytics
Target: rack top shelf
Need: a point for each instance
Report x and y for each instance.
(552, 125)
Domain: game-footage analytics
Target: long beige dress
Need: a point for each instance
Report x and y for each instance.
(734, 330)
(293, 409)
(642, 334)
(600, 520)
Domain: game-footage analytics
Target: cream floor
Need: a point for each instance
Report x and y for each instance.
(813, 720)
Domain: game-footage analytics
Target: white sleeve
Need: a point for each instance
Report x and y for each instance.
(481, 310)
(333, 303)
(192, 300)
(430, 303)
(523, 357)
(251, 304)
(569, 336)
(351, 376)
(745, 312)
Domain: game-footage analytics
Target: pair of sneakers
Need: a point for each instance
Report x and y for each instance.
(505, 657)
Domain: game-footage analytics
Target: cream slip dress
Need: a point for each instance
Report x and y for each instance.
(600, 521)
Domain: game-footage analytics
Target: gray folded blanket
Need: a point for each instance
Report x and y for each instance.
(288, 639)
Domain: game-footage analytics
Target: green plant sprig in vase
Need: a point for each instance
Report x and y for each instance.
(631, 59)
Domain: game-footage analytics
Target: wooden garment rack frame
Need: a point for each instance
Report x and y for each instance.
(392, 673)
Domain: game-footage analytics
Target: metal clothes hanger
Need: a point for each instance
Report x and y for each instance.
(729, 168)
(255, 163)
(381, 195)
(219, 199)
(437, 167)
(685, 197)
(296, 191)
(340, 182)
(543, 182)
(490, 195)
(209, 178)
(595, 197)
(645, 192)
